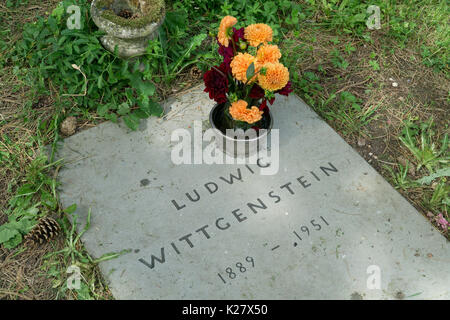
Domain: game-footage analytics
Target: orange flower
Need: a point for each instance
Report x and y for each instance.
(276, 77)
(258, 33)
(240, 64)
(239, 111)
(268, 53)
(225, 25)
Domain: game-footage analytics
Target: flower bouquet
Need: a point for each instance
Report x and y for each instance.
(247, 79)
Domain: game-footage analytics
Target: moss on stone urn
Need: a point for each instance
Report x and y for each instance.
(130, 34)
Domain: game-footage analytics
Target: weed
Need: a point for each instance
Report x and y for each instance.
(15, 3)
(419, 139)
(400, 179)
(351, 116)
(74, 255)
(440, 197)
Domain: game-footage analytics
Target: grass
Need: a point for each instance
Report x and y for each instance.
(385, 91)
(344, 71)
(28, 181)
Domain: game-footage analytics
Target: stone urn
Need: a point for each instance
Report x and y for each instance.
(129, 24)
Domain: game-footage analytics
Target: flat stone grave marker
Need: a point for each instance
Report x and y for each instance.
(326, 226)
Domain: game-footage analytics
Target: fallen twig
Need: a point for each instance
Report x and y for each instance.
(85, 84)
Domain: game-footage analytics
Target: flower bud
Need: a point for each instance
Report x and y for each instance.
(242, 45)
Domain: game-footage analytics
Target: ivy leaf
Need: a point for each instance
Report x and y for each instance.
(102, 109)
(143, 87)
(150, 107)
(123, 109)
(13, 242)
(6, 233)
(132, 121)
(112, 117)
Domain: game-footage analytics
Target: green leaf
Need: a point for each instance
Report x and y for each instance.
(195, 42)
(100, 82)
(151, 107)
(26, 189)
(68, 49)
(141, 114)
(70, 209)
(444, 172)
(132, 121)
(100, 61)
(83, 293)
(143, 87)
(102, 109)
(48, 200)
(136, 66)
(374, 64)
(250, 71)
(147, 88)
(7, 233)
(112, 117)
(123, 109)
(13, 242)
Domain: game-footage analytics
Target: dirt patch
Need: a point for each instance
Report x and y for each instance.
(21, 274)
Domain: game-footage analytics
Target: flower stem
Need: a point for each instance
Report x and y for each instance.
(234, 46)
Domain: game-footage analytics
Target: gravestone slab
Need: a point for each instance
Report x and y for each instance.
(326, 226)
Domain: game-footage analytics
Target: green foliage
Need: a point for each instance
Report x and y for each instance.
(400, 179)
(50, 50)
(433, 59)
(309, 84)
(338, 61)
(74, 255)
(444, 172)
(374, 64)
(16, 3)
(23, 210)
(348, 112)
(175, 49)
(424, 23)
(440, 198)
(20, 222)
(420, 141)
(278, 14)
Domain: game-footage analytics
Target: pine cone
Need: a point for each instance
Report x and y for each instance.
(195, 72)
(43, 231)
(69, 126)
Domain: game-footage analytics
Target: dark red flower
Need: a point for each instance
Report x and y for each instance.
(226, 52)
(216, 83)
(256, 92)
(286, 89)
(238, 34)
(283, 91)
(263, 105)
